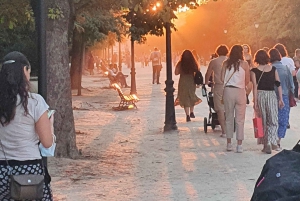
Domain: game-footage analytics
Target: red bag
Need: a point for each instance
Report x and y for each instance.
(258, 127)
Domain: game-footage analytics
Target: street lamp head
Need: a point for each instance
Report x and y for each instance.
(256, 25)
(225, 31)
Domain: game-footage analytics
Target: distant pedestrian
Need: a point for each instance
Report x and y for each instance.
(186, 97)
(215, 69)
(287, 86)
(155, 57)
(248, 58)
(266, 103)
(91, 63)
(297, 67)
(236, 76)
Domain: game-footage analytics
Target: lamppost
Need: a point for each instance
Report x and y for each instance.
(225, 33)
(256, 25)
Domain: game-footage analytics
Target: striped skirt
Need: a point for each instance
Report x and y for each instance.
(33, 168)
(268, 107)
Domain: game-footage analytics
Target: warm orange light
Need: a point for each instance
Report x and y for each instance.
(154, 8)
(158, 4)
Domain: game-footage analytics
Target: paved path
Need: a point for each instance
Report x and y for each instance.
(126, 156)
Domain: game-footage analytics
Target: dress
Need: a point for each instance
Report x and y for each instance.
(186, 96)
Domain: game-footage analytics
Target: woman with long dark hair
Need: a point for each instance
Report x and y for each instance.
(187, 66)
(236, 76)
(23, 124)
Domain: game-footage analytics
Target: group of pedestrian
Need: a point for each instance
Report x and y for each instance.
(268, 74)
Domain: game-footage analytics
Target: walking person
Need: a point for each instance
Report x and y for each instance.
(215, 68)
(155, 57)
(297, 67)
(287, 86)
(248, 58)
(235, 75)
(266, 103)
(286, 60)
(23, 124)
(186, 97)
(91, 63)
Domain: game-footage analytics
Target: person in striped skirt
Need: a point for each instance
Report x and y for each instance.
(264, 78)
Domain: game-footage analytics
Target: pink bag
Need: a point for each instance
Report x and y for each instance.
(258, 127)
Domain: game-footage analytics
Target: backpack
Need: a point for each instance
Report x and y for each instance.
(198, 79)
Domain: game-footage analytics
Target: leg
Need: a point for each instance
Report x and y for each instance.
(229, 105)
(219, 107)
(153, 74)
(283, 118)
(187, 112)
(240, 111)
(157, 74)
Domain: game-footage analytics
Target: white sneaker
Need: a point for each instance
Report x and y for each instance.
(239, 149)
(223, 135)
(229, 147)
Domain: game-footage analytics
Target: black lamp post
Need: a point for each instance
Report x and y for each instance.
(170, 121)
(40, 17)
(133, 84)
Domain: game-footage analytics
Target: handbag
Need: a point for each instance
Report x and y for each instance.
(292, 100)
(26, 186)
(258, 126)
(198, 78)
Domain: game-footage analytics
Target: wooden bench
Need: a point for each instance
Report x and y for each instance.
(127, 101)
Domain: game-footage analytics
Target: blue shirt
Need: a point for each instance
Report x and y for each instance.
(286, 78)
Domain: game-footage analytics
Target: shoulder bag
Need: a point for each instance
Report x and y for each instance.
(26, 186)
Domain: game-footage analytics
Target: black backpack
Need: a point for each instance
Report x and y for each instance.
(198, 79)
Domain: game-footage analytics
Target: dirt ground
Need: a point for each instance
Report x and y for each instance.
(126, 155)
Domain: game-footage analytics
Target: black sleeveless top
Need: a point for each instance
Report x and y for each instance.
(267, 81)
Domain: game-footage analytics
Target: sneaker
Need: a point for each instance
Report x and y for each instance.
(188, 118)
(239, 149)
(192, 115)
(223, 135)
(229, 147)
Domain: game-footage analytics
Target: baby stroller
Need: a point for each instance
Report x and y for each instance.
(213, 116)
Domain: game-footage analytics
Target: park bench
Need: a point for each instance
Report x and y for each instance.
(127, 101)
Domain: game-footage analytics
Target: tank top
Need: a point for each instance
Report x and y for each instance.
(237, 79)
(267, 81)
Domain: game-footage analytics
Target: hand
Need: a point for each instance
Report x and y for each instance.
(280, 104)
(255, 106)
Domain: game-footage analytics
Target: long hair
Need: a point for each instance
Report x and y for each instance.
(188, 64)
(235, 55)
(13, 82)
(248, 47)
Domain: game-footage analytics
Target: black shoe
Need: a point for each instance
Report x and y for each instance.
(288, 126)
(247, 100)
(188, 118)
(192, 115)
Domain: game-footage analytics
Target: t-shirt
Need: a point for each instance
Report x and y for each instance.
(19, 138)
(289, 62)
(155, 58)
(267, 80)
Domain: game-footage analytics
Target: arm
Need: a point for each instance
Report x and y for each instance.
(44, 130)
(208, 72)
(177, 69)
(280, 101)
(247, 72)
(223, 72)
(297, 64)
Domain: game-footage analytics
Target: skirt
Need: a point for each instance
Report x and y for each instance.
(24, 167)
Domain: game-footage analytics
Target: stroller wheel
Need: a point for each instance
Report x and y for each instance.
(205, 125)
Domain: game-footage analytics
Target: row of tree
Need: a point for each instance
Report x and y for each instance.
(73, 25)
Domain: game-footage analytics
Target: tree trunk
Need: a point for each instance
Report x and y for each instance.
(59, 81)
(76, 59)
